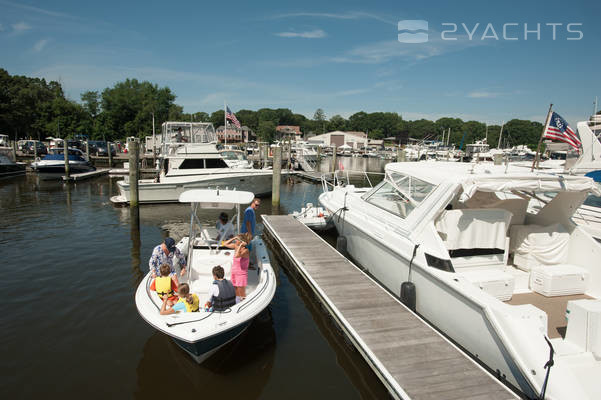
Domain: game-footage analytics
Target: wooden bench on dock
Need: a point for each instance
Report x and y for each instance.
(411, 359)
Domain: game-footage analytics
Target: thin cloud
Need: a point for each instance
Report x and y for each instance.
(20, 27)
(314, 34)
(39, 45)
(351, 15)
(1, 28)
(36, 9)
(483, 95)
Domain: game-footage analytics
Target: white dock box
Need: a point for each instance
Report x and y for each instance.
(495, 282)
(558, 280)
(584, 325)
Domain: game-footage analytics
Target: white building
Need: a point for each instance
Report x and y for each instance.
(338, 138)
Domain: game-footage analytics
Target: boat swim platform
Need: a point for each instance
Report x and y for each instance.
(412, 359)
(86, 175)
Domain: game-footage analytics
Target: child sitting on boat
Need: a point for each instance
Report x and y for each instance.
(165, 285)
(188, 302)
(242, 246)
(221, 293)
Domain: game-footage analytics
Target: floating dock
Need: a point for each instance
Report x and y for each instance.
(412, 359)
(86, 175)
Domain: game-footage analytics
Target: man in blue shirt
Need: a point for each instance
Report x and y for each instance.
(248, 224)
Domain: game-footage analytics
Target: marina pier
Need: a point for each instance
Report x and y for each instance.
(412, 360)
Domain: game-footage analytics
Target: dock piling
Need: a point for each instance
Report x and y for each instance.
(88, 150)
(110, 154)
(15, 150)
(334, 158)
(277, 173)
(66, 154)
(134, 165)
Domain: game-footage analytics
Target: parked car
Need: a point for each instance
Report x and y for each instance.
(76, 144)
(27, 147)
(99, 148)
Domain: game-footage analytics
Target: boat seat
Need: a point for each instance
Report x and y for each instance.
(498, 284)
(559, 280)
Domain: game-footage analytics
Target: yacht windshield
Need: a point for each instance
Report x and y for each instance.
(399, 194)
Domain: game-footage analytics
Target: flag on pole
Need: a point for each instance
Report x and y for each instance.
(558, 129)
(230, 115)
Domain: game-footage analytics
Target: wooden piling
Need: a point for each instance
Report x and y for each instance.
(110, 154)
(134, 165)
(35, 151)
(277, 173)
(15, 150)
(88, 149)
(334, 158)
(66, 154)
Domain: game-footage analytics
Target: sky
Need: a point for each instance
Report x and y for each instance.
(344, 57)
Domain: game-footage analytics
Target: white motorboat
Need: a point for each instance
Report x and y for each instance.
(493, 276)
(235, 159)
(202, 333)
(52, 165)
(190, 160)
(316, 218)
(7, 166)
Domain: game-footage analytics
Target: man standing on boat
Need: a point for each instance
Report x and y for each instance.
(248, 225)
(164, 253)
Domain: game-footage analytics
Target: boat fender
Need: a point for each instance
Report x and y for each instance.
(408, 294)
(341, 244)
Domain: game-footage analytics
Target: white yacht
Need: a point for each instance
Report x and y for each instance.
(190, 160)
(202, 333)
(458, 243)
(235, 159)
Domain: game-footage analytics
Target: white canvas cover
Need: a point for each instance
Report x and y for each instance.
(532, 183)
(535, 245)
(474, 228)
(210, 198)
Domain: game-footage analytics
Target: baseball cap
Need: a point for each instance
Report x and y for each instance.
(170, 243)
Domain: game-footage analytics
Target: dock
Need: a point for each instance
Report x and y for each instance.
(86, 175)
(411, 358)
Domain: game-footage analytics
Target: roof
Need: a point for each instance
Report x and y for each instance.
(210, 198)
(492, 178)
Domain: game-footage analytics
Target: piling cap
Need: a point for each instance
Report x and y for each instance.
(170, 243)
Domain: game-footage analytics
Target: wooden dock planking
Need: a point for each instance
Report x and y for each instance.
(86, 175)
(410, 357)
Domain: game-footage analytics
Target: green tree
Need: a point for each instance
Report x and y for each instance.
(337, 123)
(266, 131)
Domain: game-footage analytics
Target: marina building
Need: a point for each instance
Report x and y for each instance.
(235, 134)
(339, 138)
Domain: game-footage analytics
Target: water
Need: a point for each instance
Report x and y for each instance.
(70, 327)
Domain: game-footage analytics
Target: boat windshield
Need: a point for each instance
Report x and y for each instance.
(233, 155)
(399, 194)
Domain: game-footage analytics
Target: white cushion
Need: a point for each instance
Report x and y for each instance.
(495, 282)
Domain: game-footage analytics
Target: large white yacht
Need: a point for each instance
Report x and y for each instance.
(458, 243)
(190, 160)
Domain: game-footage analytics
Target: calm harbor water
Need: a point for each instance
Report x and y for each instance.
(70, 327)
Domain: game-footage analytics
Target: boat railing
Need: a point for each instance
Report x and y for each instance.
(343, 177)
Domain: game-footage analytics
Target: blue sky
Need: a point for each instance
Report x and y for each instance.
(343, 57)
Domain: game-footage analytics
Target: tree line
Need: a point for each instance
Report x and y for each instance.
(35, 108)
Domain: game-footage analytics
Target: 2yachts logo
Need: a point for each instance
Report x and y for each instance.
(416, 31)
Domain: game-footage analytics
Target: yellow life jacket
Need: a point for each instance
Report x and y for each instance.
(163, 286)
(190, 307)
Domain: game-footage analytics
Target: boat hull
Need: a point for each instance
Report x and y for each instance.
(57, 170)
(169, 191)
(7, 170)
(203, 349)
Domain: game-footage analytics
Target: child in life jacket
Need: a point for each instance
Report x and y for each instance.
(165, 285)
(187, 302)
(222, 294)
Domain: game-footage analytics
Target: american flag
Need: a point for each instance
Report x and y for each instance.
(230, 115)
(559, 129)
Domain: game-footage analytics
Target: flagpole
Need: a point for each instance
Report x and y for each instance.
(225, 122)
(500, 135)
(540, 141)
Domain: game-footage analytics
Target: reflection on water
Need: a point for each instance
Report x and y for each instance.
(247, 361)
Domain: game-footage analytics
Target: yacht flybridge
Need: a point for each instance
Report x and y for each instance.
(202, 333)
(458, 243)
(190, 160)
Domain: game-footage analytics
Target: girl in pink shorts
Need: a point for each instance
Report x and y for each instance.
(241, 244)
